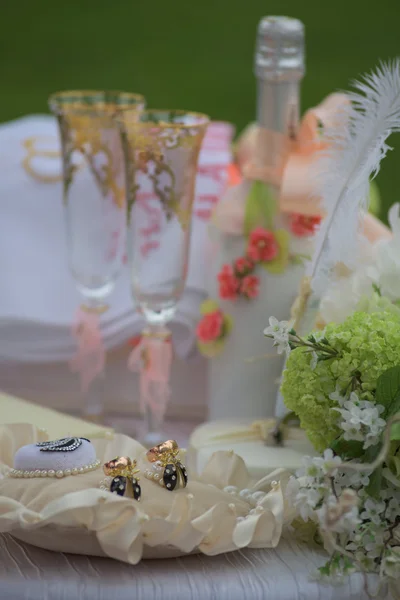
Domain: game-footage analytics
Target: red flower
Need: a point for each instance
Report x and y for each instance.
(250, 286)
(243, 266)
(262, 245)
(228, 283)
(302, 225)
(210, 327)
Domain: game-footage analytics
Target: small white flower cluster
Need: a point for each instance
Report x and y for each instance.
(368, 542)
(279, 332)
(333, 504)
(361, 420)
(309, 490)
(391, 562)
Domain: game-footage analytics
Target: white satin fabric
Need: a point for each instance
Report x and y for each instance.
(73, 515)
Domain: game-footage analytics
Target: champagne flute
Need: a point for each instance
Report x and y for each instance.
(161, 149)
(95, 214)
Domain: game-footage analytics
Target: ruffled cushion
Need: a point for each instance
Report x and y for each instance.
(74, 515)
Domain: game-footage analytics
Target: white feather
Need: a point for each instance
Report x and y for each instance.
(345, 169)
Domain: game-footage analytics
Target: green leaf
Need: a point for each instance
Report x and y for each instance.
(211, 349)
(280, 263)
(388, 391)
(395, 431)
(208, 306)
(375, 480)
(375, 483)
(394, 465)
(376, 289)
(228, 325)
(260, 208)
(299, 259)
(326, 569)
(348, 449)
(374, 199)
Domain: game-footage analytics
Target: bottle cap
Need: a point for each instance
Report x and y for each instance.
(280, 49)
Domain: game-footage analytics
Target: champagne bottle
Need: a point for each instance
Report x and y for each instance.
(243, 383)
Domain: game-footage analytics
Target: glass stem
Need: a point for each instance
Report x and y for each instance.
(93, 360)
(94, 400)
(155, 381)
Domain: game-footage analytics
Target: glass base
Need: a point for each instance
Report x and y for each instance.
(153, 438)
(93, 401)
(97, 309)
(97, 419)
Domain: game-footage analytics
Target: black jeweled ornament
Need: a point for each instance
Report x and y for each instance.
(136, 489)
(183, 471)
(118, 485)
(124, 477)
(126, 486)
(175, 476)
(67, 444)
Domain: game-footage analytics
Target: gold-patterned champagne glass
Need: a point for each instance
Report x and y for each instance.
(161, 149)
(93, 195)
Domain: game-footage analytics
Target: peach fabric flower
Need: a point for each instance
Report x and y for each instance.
(303, 225)
(250, 286)
(243, 266)
(228, 283)
(262, 245)
(210, 327)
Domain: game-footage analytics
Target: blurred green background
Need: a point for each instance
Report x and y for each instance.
(192, 54)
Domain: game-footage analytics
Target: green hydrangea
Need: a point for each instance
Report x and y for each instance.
(377, 303)
(368, 344)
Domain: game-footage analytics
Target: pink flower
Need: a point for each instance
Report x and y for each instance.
(250, 286)
(302, 225)
(262, 246)
(210, 327)
(243, 265)
(228, 283)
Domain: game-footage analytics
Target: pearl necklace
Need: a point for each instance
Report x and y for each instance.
(17, 474)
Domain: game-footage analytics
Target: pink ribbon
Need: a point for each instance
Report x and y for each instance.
(152, 357)
(288, 164)
(90, 357)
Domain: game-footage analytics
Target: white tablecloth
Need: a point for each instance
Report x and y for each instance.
(28, 573)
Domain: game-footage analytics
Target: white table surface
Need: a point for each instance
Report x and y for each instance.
(28, 573)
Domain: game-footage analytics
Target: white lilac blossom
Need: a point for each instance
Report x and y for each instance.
(373, 543)
(279, 332)
(391, 562)
(338, 397)
(361, 420)
(303, 498)
(338, 501)
(373, 511)
(314, 468)
(355, 479)
(393, 507)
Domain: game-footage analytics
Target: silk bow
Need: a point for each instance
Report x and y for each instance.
(288, 163)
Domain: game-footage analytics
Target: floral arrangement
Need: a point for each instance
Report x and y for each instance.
(344, 385)
(266, 246)
(343, 381)
(212, 329)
